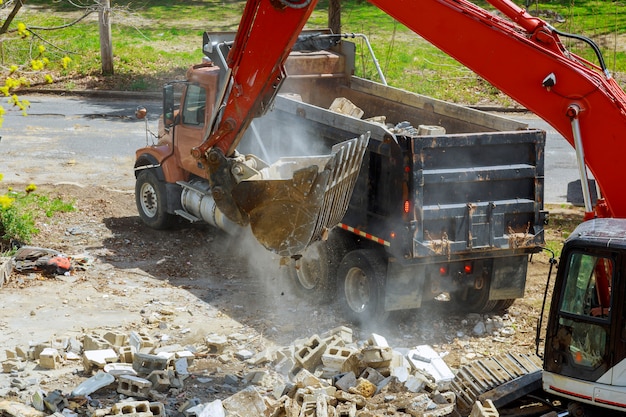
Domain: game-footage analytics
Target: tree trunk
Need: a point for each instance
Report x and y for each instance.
(334, 16)
(106, 46)
(16, 8)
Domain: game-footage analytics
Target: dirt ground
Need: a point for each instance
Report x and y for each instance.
(191, 282)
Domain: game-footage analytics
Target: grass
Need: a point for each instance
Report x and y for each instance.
(157, 40)
(21, 210)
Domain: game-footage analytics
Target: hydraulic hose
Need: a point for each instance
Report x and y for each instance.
(591, 43)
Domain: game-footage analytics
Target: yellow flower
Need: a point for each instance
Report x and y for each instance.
(5, 201)
(66, 61)
(13, 68)
(30, 188)
(1, 177)
(21, 30)
(48, 79)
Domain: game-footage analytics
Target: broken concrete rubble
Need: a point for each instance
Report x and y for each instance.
(327, 375)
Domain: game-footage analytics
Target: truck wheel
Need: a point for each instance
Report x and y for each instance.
(474, 301)
(151, 199)
(361, 286)
(503, 304)
(314, 274)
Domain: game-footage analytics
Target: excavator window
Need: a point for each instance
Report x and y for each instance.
(584, 313)
(194, 108)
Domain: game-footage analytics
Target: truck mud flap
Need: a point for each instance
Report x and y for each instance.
(293, 202)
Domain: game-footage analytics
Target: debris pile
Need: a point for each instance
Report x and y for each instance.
(139, 375)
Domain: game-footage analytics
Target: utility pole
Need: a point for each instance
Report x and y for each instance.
(106, 46)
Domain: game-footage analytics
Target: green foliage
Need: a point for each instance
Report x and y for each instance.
(21, 210)
(160, 39)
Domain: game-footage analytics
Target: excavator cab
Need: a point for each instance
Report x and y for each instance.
(585, 349)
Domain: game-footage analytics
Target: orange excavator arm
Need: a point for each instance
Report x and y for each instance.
(522, 56)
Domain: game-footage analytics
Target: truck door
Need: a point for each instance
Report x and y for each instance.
(581, 331)
(189, 131)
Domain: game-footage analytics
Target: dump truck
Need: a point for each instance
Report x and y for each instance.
(445, 202)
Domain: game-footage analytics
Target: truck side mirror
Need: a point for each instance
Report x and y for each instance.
(168, 105)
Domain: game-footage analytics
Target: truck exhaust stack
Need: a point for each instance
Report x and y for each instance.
(294, 201)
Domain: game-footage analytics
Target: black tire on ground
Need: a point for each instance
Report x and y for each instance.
(361, 286)
(151, 199)
(474, 301)
(314, 274)
(502, 305)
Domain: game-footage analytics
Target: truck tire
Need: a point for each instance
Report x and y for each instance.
(474, 301)
(151, 199)
(361, 286)
(502, 305)
(314, 274)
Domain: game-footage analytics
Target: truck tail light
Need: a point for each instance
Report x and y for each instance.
(443, 270)
(407, 206)
(468, 268)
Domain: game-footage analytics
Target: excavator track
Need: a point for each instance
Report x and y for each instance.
(501, 379)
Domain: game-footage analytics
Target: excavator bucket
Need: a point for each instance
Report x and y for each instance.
(294, 201)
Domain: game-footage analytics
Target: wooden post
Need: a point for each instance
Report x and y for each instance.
(106, 46)
(334, 16)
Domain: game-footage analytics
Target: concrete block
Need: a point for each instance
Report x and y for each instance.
(50, 358)
(485, 409)
(377, 340)
(305, 378)
(247, 402)
(21, 352)
(95, 342)
(132, 409)
(377, 357)
(10, 354)
(98, 358)
(160, 380)
(430, 130)
(60, 343)
(185, 354)
(141, 341)
(36, 349)
(133, 386)
(310, 354)
(334, 356)
(116, 339)
(90, 385)
(216, 343)
(12, 365)
(345, 381)
(372, 375)
(145, 363)
(345, 410)
(157, 409)
(425, 359)
(344, 333)
(55, 401)
(126, 354)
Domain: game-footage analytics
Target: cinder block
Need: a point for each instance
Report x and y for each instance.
(345, 381)
(377, 357)
(98, 358)
(116, 339)
(216, 344)
(132, 409)
(126, 354)
(95, 342)
(11, 365)
(309, 356)
(334, 356)
(134, 386)
(377, 340)
(144, 363)
(157, 409)
(425, 359)
(344, 333)
(372, 375)
(55, 401)
(142, 342)
(49, 358)
(160, 380)
(485, 409)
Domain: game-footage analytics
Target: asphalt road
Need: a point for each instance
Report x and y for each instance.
(92, 141)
